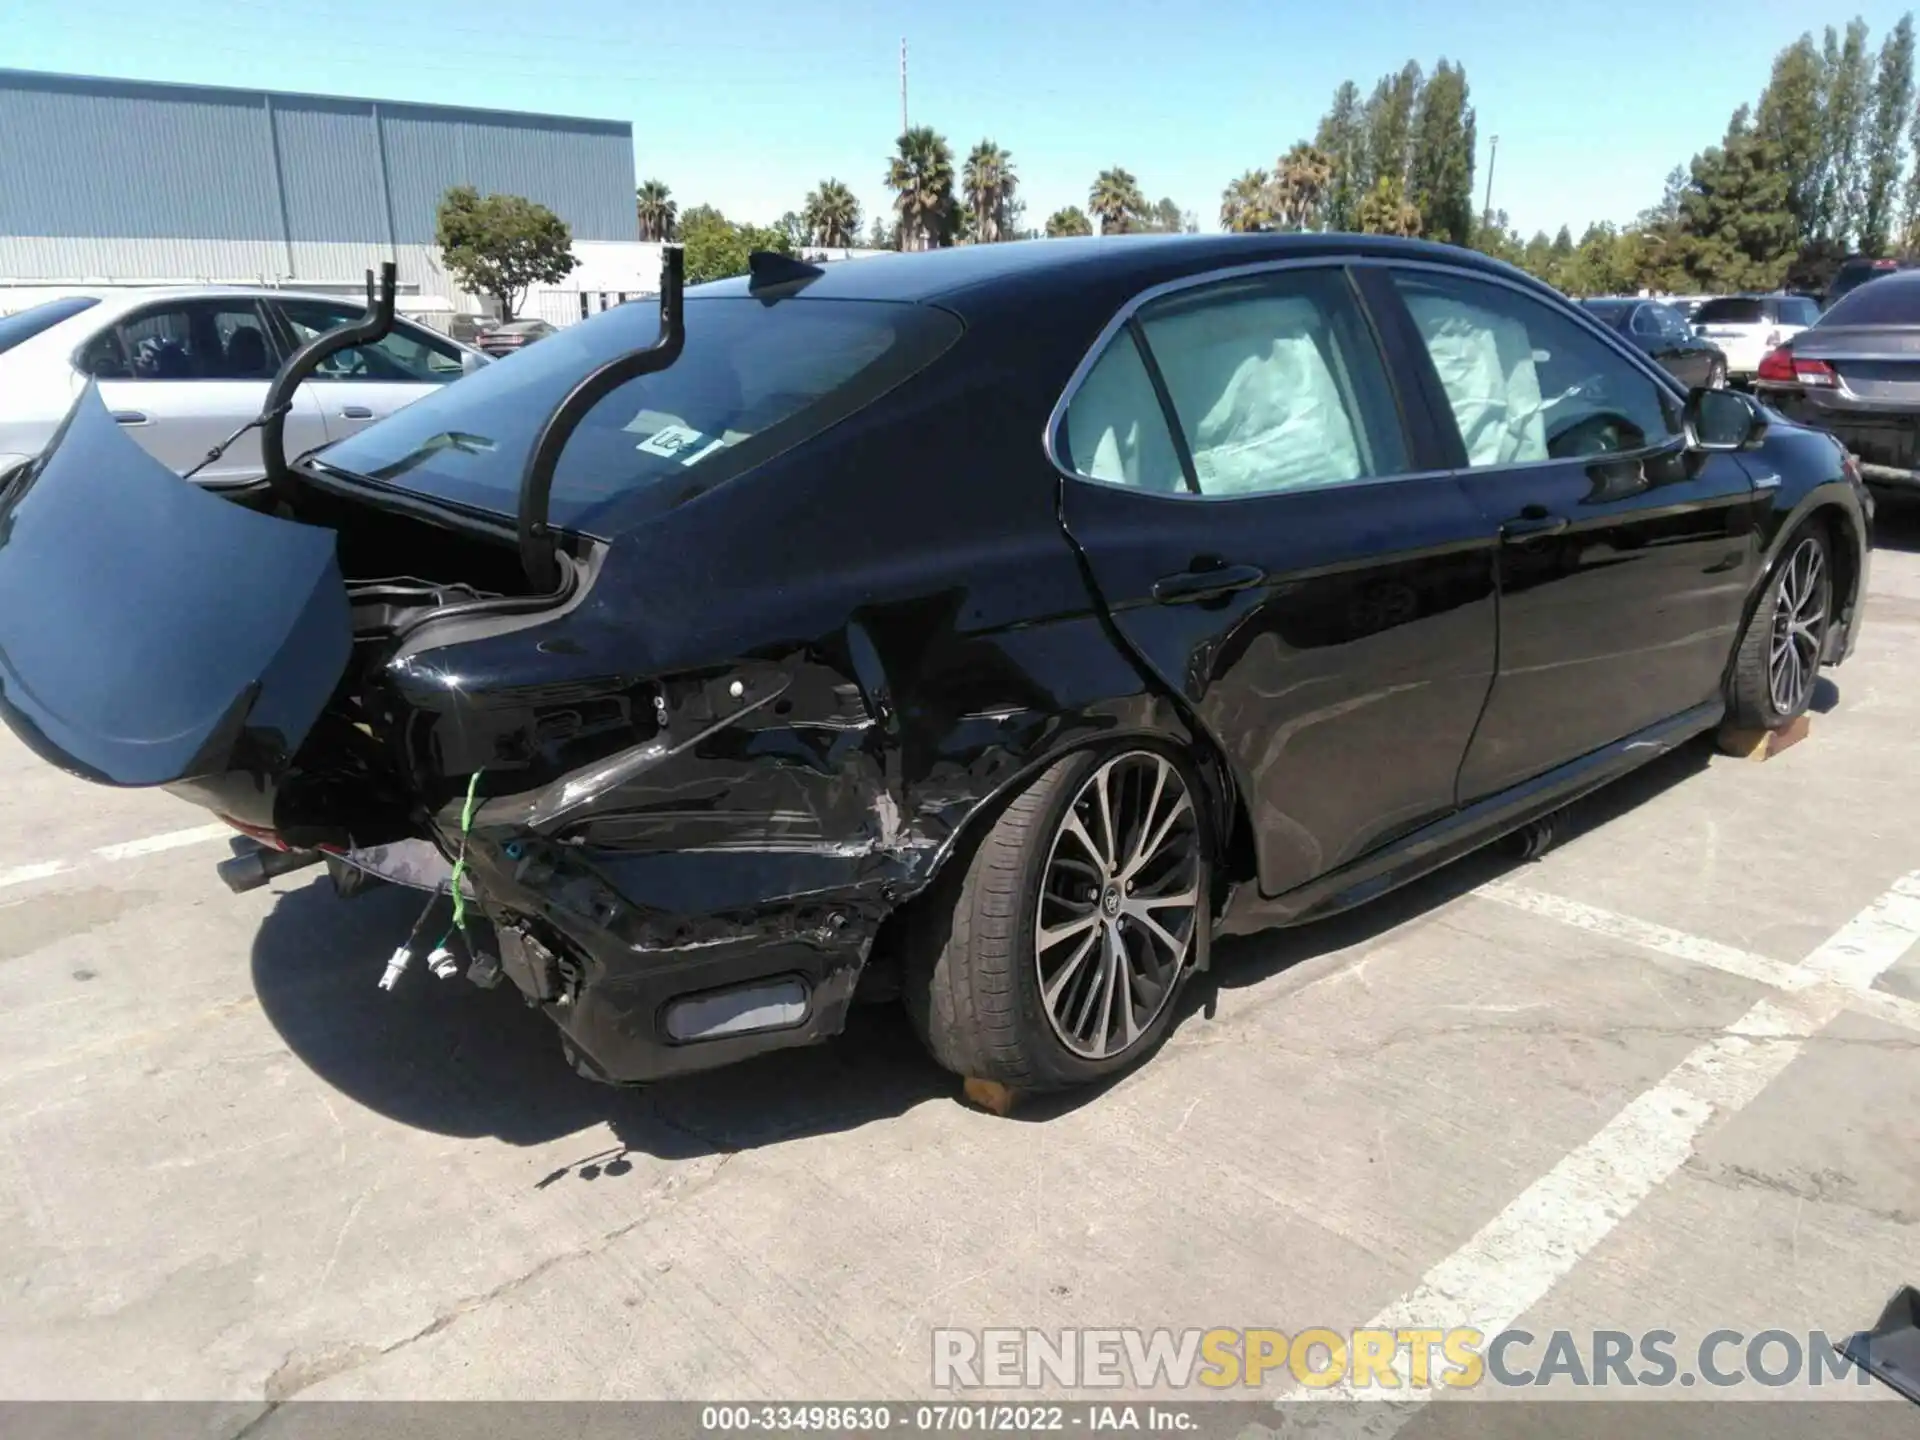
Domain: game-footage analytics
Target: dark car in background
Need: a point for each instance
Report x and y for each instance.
(988, 627)
(511, 335)
(1855, 373)
(1856, 272)
(1660, 331)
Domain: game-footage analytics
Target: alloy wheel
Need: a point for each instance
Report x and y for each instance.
(1119, 899)
(1799, 627)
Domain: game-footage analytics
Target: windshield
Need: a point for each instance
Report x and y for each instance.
(29, 323)
(1609, 312)
(1891, 300)
(1740, 310)
(755, 378)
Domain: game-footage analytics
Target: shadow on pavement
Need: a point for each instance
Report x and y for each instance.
(445, 1057)
(1896, 524)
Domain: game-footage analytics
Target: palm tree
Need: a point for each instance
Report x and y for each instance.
(921, 177)
(832, 215)
(657, 210)
(1385, 210)
(1247, 203)
(1301, 181)
(1070, 221)
(1116, 199)
(989, 183)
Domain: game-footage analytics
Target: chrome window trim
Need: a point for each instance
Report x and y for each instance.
(1121, 318)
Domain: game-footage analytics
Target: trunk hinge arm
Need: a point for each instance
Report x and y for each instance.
(536, 481)
(372, 326)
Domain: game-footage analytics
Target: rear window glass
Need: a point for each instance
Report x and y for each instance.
(1738, 311)
(26, 324)
(755, 378)
(1892, 300)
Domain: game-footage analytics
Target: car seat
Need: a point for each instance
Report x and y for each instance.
(247, 355)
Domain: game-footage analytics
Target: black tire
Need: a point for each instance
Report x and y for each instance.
(1757, 700)
(973, 982)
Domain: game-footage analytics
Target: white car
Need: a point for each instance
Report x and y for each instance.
(182, 368)
(1748, 326)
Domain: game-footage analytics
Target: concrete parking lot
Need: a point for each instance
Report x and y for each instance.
(1664, 1078)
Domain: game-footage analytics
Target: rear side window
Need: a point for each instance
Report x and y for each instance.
(1892, 300)
(1274, 383)
(1527, 383)
(754, 378)
(25, 324)
(1736, 310)
(203, 340)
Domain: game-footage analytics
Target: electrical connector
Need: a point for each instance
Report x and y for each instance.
(396, 967)
(441, 962)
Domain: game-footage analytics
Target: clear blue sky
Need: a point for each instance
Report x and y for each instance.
(745, 104)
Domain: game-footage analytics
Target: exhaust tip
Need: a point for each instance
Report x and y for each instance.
(250, 871)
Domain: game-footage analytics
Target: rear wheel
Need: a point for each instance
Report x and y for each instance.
(1053, 956)
(1778, 662)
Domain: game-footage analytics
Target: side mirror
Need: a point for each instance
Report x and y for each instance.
(472, 360)
(1722, 420)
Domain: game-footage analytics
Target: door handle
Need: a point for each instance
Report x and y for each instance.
(1190, 585)
(1530, 524)
(355, 412)
(130, 417)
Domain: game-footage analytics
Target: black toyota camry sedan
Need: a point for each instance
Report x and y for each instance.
(993, 627)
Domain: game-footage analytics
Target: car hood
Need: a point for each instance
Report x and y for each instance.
(151, 631)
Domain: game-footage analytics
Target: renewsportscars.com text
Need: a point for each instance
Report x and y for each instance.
(1461, 1358)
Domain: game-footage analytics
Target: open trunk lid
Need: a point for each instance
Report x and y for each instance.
(152, 632)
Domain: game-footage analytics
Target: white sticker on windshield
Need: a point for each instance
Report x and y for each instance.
(670, 441)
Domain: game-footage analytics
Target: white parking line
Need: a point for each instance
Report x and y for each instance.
(1778, 974)
(125, 850)
(1517, 1257)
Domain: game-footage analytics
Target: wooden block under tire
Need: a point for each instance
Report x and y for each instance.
(991, 1095)
(1762, 744)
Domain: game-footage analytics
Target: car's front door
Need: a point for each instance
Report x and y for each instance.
(370, 382)
(181, 376)
(1626, 558)
(1247, 496)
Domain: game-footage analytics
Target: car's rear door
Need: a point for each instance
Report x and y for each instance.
(180, 376)
(1625, 558)
(369, 382)
(1248, 492)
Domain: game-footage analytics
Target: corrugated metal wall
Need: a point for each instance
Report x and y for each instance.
(127, 180)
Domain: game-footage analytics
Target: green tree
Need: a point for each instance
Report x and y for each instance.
(921, 178)
(1165, 217)
(716, 247)
(1301, 181)
(502, 245)
(1387, 211)
(881, 235)
(1537, 258)
(832, 215)
(1247, 203)
(1892, 104)
(1116, 201)
(1342, 138)
(1846, 111)
(989, 183)
(1790, 116)
(1388, 120)
(1070, 221)
(1497, 237)
(1657, 240)
(1736, 217)
(656, 209)
(1440, 168)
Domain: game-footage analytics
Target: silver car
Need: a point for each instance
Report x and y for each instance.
(183, 368)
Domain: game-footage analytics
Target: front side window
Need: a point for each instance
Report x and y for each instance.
(406, 355)
(1527, 384)
(1273, 381)
(199, 340)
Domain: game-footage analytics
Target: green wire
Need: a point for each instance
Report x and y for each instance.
(460, 864)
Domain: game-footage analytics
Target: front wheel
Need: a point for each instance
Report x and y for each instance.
(1054, 957)
(1778, 661)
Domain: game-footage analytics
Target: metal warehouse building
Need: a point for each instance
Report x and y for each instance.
(131, 182)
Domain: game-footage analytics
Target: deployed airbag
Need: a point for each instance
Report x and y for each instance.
(1486, 365)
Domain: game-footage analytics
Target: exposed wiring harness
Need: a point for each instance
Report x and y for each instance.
(440, 959)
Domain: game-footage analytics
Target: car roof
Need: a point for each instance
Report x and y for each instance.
(966, 276)
(118, 299)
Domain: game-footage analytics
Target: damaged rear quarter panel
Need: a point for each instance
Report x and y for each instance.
(767, 722)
